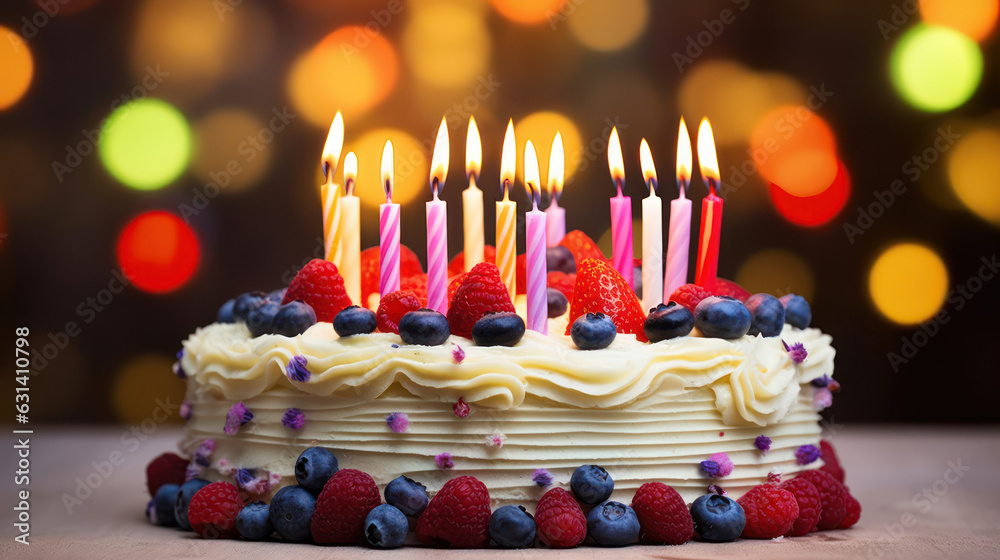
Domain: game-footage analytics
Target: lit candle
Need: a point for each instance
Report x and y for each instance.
(711, 209)
(472, 200)
(330, 192)
(680, 219)
(350, 220)
(621, 213)
(535, 229)
(437, 227)
(388, 228)
(507, 215)
(555, 215)
(652, 234)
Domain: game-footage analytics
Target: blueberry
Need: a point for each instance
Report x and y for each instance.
(591, 484)
(293, 319)
(717, 518)
(277, 295)
(354, 320)
(512, 527)
(291, 512)
(163, 503)
(668, 321)
(613, 524)
(245, 302)
(498, 329)
(188, 490)
(722, 317)
(254, 521)
(560, 259)
(225, 314)
(386, 527)
(593, 331)
(314, 467)
(797, 311)
(261, 318)
(767, 315)
(558, 304)
(424, 327)
(406, 494)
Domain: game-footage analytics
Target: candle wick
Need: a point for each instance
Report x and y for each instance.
(506, 189)
(712, 186)
(435, 185)
(349, 187)
(618, 185)
(388, 192)
(653, 186)
(325, 165)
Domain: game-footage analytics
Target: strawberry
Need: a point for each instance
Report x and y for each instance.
(342, 506)
(807, 497)
(832, 496)
(723, 287)
(599, 288)
(664, 518)
(563, 282)
(690, 295)
(409, 265)
(168, 468)
(582, 247)
(770, 512)
(457, 516)
(521, 273)
(559, 520)
(832, 463)
(392, 308)
(213, 510)
(853, 513)
(457, 264)
(481, 292)
(321, 286)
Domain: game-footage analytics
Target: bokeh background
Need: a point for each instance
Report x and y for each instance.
(180, 139)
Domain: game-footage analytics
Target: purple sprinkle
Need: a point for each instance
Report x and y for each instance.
(393, 345)
(398, 422)
(821, 381)
(822, 399)
(237, 416)
(718, 466)
(185, 410)
(542, 477)
(458, 354)
(797, 351)
(151, 512)
(444, 461)
(716, 489)
(244, 478)
(200, 460)
(763, 443)
(807, 454)
(294, 419)
(297, 370)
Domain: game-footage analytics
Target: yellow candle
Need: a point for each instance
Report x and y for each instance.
(507, 215)
(472, 200)
(350, 220)
(330, 192)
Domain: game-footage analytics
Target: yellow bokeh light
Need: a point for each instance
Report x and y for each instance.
(975, 18)
(447, 60)
(777, 272)
(531, 11)
(972, 167)
(233, 148)
(146, 391)
(908, 283)
(541, 128)
(16, 67)
(350, 70)
(608, 25)
(411, 166)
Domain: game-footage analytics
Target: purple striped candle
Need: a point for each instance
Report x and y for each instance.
(388, 222)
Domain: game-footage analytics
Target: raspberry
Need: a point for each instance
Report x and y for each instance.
(853, 513)
(832, 495)
(213, 511)
(770, 512)
(342, 506)
(392, 308)
(807, 496)
(320, 285)
(458, 515)
(563, 282)
(168, 468)
(582, 247)
(416, 283)
(521, 273)
(663, 516)
(559, 520)
(689, 295)
(454, 282)
(409, 265)
(601, 289)
(832, 463)
(723, 287)
(457, 264)
(480, 293)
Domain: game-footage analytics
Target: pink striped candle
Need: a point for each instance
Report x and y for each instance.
(621, 214)
(388, 222)
(680, 219)
(555, 221)
(437, 227)
(535, 228)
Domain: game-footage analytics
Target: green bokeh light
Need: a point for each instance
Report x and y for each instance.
(146, 144)
(936, 68)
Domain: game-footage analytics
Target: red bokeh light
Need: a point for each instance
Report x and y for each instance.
(158, 252)
(816, 210)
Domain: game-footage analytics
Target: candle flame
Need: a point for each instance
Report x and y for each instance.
(557, 162)
(532, 180)
(508, 159)
(334, 144)
(648, 168)
(684, 157)
(708, 162)
(439, 161)
(615, 162)
(350, 172)
(387, 170)
(473, 151)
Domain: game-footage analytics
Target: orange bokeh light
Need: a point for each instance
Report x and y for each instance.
(975, 18)
(529, 11)
(795, 148)
(158, 252)
(816, 210)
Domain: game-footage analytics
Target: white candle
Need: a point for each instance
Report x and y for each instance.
(350, 216)
(472, 201)
(652, 235)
